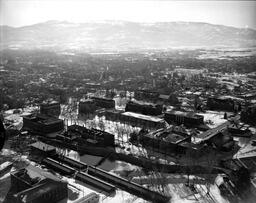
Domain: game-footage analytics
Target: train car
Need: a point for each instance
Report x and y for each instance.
(95, 183)
(58, 167)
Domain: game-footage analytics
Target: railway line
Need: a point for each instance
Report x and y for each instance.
(100, 179)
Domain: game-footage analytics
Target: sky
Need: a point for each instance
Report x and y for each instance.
(18, 13)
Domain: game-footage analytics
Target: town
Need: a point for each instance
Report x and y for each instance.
(129, 127)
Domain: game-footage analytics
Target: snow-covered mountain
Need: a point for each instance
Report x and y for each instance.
(112, 35)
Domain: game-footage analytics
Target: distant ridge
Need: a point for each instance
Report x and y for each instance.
(124, 36)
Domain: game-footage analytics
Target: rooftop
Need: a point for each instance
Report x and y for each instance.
(42, 146)
(39, 118)
(166, 135)
(142, 103)
(86, 100)
(35, 192)
(102, 98)
(50, 102)
(230, 97)
(185, 114)
(33, 175)
(143, 117)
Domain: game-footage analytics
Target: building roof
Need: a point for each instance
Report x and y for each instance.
(42, 146)
(184, 114)
(33, 175)
(36, 192)
(102, 98)
(167, 135)
(143, 117)
(86, 100)
(39, 118)
(49, 102)
(164, 96)
(249, 151)
(142, 103)
(230, 97)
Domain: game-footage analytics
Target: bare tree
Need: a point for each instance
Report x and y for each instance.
(101, 124)
(210, 162)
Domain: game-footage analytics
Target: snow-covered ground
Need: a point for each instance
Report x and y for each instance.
(14, 116)
(217, 118)
(179, 192)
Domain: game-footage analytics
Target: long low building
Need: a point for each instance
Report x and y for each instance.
(92, 136)
(225, 103)
(136, 119)
(167, 141)
(144, 108)
(104, 102)
(87, 106)
(186, 118)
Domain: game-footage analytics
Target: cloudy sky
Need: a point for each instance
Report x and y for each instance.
(25, 12)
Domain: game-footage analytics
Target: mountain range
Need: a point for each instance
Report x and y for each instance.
(123, 36)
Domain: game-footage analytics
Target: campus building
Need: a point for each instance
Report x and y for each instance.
(34, 185)
(42, 124)
(87, 106)
(146, 109)
(104, 102)
(50, 108)
(182, 117)
(91, 136)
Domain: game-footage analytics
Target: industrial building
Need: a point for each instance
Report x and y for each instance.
(34, 185)
(42, 124)
(143, 108)
(50, 108)
(182, 117)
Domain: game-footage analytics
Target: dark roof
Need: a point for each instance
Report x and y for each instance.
(184, 114)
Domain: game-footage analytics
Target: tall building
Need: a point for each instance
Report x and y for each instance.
(86, 106)
(50, 108)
